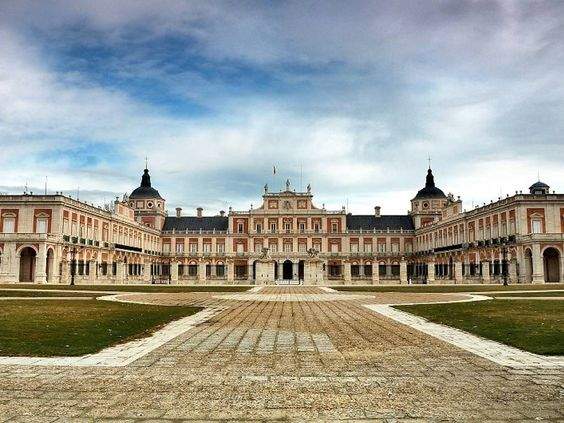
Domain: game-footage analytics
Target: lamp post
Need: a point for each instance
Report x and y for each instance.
(504, 264)
(73, 264)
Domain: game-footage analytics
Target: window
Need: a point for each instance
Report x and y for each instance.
(207, 247)
(258, 247)
(192, 270)
(317, 246)
(240, 248)
(220, 270)
(287, 247)
(287, 227)
(334, 227)
(259, 228)
(334, 248)
(302, 227)
(166, 248)
(536, 226)
(273, 248)
(354, 248)
(9, 226)
(367, 248)
(220, 248)
(240, 228)
(180, 248)
(381, 247)
(193, 247)
(302, 247)
(273, 228)
(316, 227)
(395, 248)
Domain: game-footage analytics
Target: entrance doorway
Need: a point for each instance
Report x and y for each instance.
(551, 258)
(27, 264)
(287, 270)
(301, 270)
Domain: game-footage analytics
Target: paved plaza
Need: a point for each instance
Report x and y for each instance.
(288, 353)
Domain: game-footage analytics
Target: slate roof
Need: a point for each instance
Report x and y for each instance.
(370, 222)
(194, 223)
(430, 190)
(145, 190)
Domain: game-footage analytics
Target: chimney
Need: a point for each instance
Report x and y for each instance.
(222, 213)
(178, 211)
(199, 211)
(377, 211)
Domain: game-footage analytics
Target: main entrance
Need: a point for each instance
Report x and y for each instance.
(287, 270)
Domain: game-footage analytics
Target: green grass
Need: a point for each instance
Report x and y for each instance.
(446, 288)
(135, 288)
(535, 326)
(530, 294)
(70, 328)
(37, 293)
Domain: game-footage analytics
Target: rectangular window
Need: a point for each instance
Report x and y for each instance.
(334, 227)
(273, 248)
(41, 225)
(9, 226)
(240, 228)
(317, 247)
(302, 247)
(273, 228)
(395, 248)
(287, 227)
(334, 248)
(367, 248)
(220, 270)
(220, 248)
(166, 248)
(302, 227)
(259, 228)
(381, 248)
(207, 247)
(240, 248)
(537, 226)
(194, 248)
(258, 247)
(287, 247)
(354, 248)
(316, 227)
(180, 248)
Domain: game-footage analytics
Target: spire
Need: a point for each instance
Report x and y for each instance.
(146, 179)
(430, 181)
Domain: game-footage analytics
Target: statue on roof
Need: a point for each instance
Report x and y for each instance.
(265, 188)
(308, 188)
(287, 184)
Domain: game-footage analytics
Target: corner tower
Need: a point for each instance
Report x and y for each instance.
(427, 205)
(148, 204)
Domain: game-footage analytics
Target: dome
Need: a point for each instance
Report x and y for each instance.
(539, 188)
(430, 190)
(145, 190)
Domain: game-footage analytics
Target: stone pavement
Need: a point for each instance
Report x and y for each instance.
(296, 358)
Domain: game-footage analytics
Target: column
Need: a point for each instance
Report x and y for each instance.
(201, 272)
(375, 273)
(403, 272)
(458, 271)
(120, 272)
(295, 271)
(347, 272)
(41, 264)
(230, 271)
(173, 272)
(538, 267)
(431, 272)
(280, 270)
(513, 270)
(64, 277)
(486, 271)
(146, 272)
(93, 268)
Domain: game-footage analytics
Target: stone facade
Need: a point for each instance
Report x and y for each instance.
(287, 240)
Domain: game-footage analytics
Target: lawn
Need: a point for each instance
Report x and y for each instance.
(535, 326)
(70, 328)
(530, 294)
(135, 288)
(37, 293)
(446, 288)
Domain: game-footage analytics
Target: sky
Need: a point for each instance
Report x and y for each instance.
(350, 97)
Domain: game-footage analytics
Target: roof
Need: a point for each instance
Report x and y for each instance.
(194, 223)
(539, 185)
(430, 190)
(371, 222)
(145, 190)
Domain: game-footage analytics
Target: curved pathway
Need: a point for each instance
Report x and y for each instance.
(300, 356)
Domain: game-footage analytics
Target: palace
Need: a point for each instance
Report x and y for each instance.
(58, 239)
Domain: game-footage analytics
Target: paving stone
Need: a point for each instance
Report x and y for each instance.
(301, 353)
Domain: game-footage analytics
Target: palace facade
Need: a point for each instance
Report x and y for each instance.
(58, 239)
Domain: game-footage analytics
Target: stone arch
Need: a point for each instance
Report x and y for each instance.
(27, 261)
(551, 264)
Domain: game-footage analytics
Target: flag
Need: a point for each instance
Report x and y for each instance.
(274, 170)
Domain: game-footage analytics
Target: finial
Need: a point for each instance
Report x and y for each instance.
(429, 160)
(146, 163)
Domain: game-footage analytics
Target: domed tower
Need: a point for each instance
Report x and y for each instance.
(148, 204)
(426, 206)
(539, 188)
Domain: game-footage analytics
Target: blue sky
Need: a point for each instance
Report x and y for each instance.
(356, 94)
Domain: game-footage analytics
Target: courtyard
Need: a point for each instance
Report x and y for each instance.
(286, 353)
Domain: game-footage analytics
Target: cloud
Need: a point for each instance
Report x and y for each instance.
(215, 93)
